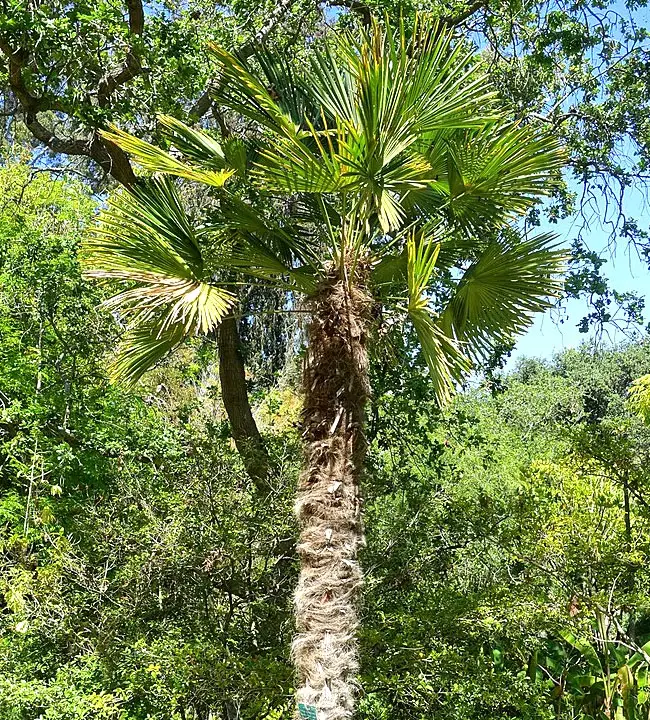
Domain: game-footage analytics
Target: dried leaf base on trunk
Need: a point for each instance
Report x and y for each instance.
(328, 505)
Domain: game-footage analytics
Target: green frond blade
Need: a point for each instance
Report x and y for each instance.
(446, 361)
(144, 238)
(499, 294)
(485, 177)
(141, 348)
(639, 398)
(244, 93)
(155, 160)
(143, 230)
(194, 144)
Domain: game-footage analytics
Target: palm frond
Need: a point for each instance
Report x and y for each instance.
(446, 361)
(145, 239)
(487, 176)
(243, 92)
(379, 97)
(198, 307)
(290, 165)
(141, 348)
(155, 160)
(498, 294)
(194, 144)
(396, 85)
(144, 229)
(261, 241)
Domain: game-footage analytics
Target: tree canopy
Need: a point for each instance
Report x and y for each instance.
(147, 543)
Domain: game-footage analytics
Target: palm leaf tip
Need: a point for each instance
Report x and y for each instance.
(140, 349)
(639, 397)
(156, 160)
(444, 356)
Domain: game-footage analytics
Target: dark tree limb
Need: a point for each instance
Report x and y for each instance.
(453, 20)
(234, 392)
(202, 105)
(132, 66)
(136, 16)
(107, 155)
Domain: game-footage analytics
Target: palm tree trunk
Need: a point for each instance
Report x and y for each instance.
(329, 505)
(232, 376)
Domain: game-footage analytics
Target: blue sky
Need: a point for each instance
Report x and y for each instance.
(625, 270)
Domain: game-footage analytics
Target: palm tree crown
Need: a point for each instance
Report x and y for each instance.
(391, 148)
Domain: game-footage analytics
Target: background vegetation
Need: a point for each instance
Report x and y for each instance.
(140, 575)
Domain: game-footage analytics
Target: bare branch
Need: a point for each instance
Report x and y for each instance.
(132, 66)
(64, 146)
(454, 20)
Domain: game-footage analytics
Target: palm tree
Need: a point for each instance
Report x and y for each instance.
(379, 185)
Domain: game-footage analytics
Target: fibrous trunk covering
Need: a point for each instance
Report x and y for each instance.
(328, 505)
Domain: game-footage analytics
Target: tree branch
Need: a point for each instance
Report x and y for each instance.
(132, 66)
(106, 154)
(136, 16)
(64, 146)
(16, 60)
(357, 7)
(454, 20)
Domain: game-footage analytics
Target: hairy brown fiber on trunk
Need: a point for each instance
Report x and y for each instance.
(328, 505)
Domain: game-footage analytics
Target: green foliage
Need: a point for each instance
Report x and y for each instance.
(640, 397)
(401, 136)
(141, 578)
(136, 564)
(499, 529)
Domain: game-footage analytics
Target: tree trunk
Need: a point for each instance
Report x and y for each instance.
(234, 392)
(328, 504)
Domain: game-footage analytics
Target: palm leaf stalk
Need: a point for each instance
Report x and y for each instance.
(398, 175)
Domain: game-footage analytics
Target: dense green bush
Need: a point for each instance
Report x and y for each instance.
(142, 577)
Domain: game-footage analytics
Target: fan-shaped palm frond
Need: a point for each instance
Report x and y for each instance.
(247, 94)
(394, 86)
(193, 143)
(498, 294)
(141, 348)
(372, 103)
(487, 176)
(494, 301)
(145, 238)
